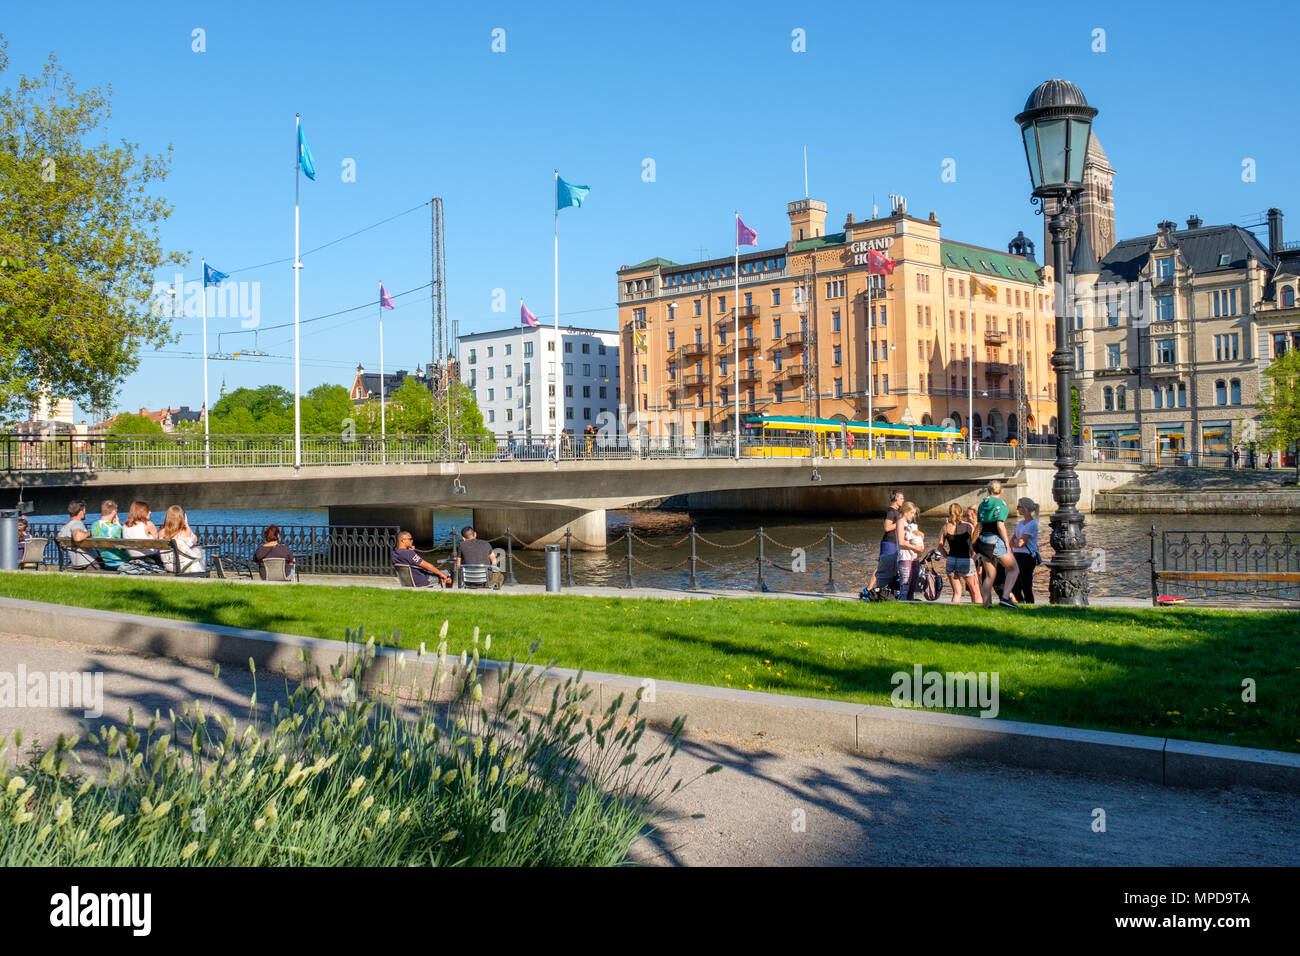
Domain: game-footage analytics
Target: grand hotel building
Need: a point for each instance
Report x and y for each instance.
(813, 342)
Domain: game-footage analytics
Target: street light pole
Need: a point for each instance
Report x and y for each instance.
(1056, 125)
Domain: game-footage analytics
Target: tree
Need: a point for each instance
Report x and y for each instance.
(1280, 404)
(79, 244)
(325, 409)
(128, 424)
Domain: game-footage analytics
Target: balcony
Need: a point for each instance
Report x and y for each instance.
(1167, 370)
(996, 369)
(748, 343)
(751, 375)
(695, 379)
(795, 340)
(995, 337)
(793, 372)
(748, 312)
(691, 349)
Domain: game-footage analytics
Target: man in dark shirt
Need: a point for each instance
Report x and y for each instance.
(473, 550)
(422, 572)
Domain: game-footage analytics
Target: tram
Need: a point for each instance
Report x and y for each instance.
(776, 436)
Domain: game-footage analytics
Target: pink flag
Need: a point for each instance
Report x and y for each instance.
(744, 235)
(527, 318)
(385, 300)
(879, 263)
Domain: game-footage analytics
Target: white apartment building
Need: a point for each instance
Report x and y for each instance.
(520, 378)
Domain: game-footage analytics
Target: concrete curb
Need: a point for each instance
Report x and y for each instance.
(873, 731)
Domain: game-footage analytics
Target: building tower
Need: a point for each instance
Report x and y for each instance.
(1096, 204)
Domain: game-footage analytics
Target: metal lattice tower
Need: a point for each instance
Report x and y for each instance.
(439, 299)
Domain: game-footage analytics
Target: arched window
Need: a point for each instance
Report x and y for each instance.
(1288, 297)
(1121, 398)
(956, 419)
(1052, 426)
(1234, 389)
(1220, 392)
(977, 426)
(1108, 398)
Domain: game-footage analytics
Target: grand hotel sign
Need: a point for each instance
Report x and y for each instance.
(857, 254)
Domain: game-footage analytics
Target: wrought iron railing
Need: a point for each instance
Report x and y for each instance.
(1225, 564)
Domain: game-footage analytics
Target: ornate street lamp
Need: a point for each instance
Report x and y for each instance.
(1056, 125)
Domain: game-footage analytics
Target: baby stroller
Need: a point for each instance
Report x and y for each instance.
(927, 580)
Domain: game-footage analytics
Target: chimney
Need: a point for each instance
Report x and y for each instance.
(1166, 228)
(1193, 221)
(1275, 230)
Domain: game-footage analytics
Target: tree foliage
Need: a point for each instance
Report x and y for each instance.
(79, 244)
(1280, 403)
(129, 424)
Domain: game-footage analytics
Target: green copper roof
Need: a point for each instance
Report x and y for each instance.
(656, 261)
(818, 242)
(984, 262)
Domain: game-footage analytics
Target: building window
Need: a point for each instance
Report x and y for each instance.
(1158, 397)
(672, 341)
(1112, 316)
(776, 361)
(568, 391)
(920, 318)
(492, 416)
(1165, 351)
(950, 292)
(698, 304)
(778, 392)
(568, 368)
(586, 370)
(836, 359)
(473, 356)
(776, 328)
(722, 335)
(528, 350)
(884, 385)
(839, 388)
(1165, 267)
(1225, 347)
(1078, 358)
(568, 412)
(1182, 395)
(1108, 398)
(1112, 356)
(586, 391)
(884, 315)
(510, 414)
(776, 296)
(1234, 391)
(1220, 392)
(1288, 297)
(1164, 308)
(510, 392)
(722, 303)
(491, 394)
(586, 348)
(1121, 398)
(835, 320)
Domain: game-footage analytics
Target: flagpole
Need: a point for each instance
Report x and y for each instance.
(383, 419)
(970, 369)
(207, 460)
(736, 343)
(559, 352)
(297, 269)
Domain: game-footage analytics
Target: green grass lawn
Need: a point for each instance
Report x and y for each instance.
(1174, 672)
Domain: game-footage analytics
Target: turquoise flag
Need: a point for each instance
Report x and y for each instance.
(304, 156)
(567, 194)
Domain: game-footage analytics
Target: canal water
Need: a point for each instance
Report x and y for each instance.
(727, 552)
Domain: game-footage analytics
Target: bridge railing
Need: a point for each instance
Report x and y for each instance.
(73, 455)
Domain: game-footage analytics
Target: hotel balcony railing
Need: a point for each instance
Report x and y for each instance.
(794, 339)
(750, 375)
(693, 348)
(995, 337)
(747, 343)
(695, 379)
(796, 371)
(748, 312)
(996, 369)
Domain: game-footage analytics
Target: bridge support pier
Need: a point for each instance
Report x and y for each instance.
(538, 527)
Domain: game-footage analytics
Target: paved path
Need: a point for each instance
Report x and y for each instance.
(776, 803)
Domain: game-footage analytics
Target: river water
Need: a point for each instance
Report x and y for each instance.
(727, 553)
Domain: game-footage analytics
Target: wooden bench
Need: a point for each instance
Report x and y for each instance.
(1210, 577)
(67, 547)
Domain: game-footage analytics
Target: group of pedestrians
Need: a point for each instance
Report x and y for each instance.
(982, 556)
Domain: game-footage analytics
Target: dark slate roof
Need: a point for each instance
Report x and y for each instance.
(1085, 260)
(1201, 248)
(392, 381)
(186, 414)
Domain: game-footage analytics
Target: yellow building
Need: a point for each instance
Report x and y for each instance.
(819, 336)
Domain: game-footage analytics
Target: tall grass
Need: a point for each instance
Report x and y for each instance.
(428, 775)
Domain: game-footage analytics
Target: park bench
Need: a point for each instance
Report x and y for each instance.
(1219, 577)
(67, 547)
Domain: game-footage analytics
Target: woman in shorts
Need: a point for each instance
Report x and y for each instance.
(955, 542)
(994, 546)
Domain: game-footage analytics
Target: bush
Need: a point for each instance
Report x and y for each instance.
(435, 779)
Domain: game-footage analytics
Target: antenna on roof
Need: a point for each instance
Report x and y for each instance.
(805, 171)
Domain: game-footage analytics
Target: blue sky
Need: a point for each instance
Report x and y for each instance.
(713, 94)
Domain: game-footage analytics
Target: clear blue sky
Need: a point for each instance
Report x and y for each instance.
(713, 94)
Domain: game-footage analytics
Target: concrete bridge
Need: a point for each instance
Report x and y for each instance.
(538, 501)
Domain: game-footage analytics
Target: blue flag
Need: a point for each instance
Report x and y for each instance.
(212, 277)
(304, 156)
(567, 194)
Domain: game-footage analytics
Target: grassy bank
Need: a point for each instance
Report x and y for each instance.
(1169, 672)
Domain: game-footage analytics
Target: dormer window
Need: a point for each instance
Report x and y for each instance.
(1165, 267)
(1224, 259)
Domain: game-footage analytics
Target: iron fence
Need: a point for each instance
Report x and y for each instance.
(1225, 564)
(73, 455)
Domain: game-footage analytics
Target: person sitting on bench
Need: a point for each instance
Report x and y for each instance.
(422, 572)
(76, 530)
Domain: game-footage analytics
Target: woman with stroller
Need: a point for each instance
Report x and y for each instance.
(911, 548)
(955, 542)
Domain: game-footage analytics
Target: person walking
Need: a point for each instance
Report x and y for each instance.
(994, 545)
(955, 542)
(1024, 547)
(1236, 457)
(911, 547)
(887, 564)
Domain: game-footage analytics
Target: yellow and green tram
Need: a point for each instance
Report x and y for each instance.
(777, 436)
